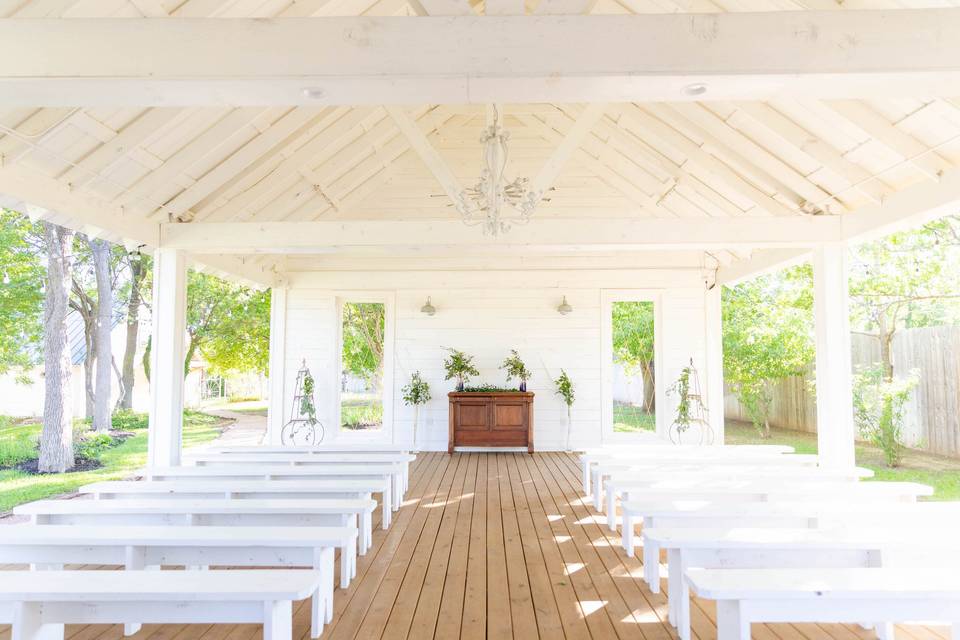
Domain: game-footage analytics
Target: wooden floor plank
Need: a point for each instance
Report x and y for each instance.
(474, 621)
(499, 624)
(450, 616)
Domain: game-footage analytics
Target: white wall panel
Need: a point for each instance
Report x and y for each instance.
(487, 323)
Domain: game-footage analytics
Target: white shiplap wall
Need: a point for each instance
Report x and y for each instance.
(486, 322)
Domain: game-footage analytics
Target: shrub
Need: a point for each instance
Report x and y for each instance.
(127, 420)
(92, 445)
(878, 406)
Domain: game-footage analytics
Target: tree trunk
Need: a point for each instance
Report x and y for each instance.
(885, 334)
(104, 323)
(128, 376)
(89, 366)
(56, 437)
(649, 388)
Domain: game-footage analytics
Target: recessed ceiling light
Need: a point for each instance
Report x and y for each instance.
(313, 93)
(695, 89)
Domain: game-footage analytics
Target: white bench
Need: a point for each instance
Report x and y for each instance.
(836, 547)
(627, 481)
(276, 513)
(773, 491)
(656, 452)
(245, 489)
(391, 472)
(320, 448)
(705, 514)
(147, 547)
(601, 471)
(296, 458)
(888, 595)
(39, 603)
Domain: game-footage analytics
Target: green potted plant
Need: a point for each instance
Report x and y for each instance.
(459, 366)
(515, 368)
(565, 390)
(416, 394)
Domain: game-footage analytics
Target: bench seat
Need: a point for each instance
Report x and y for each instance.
(39, 603)
(142, 547)
(886, 595)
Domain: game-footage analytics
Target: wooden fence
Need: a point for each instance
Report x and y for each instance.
(932, 416)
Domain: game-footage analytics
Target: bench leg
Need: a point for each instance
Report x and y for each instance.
(364, 532)
(598, 492)
(135, 557)
(611, 509)
(651, 565)
(884, 630)
(386, 509)
(328, 584)
(731, 624)
(956, 630)
(627, 535)
(674, 578)
(277, 620)
(397, 492)
(27, 624)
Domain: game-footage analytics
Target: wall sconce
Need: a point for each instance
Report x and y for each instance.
(428, 308)
(564, 307)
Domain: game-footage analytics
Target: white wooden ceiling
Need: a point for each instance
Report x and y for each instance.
(693, 160)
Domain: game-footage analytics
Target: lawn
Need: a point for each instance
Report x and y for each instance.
(17, 444)
(943, 474)
(631, 419)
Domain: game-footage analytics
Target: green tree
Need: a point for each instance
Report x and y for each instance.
(22, 271)
(904, 280)
(767, 336)
(364, 324)
(633, 344)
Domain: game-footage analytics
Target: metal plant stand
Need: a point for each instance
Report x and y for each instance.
(303, 429)
(697, 430)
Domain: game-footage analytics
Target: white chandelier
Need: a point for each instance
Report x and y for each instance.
(494, 202)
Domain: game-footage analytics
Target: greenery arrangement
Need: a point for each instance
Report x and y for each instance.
(515, 368)
(489, 388)
(307, 407)
(459, 366)
(564, 389)
(416, 393)
(690, 407)
(878, 405)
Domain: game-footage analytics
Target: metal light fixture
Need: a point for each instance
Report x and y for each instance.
(564, 307)
(495, 202)
(428, 308)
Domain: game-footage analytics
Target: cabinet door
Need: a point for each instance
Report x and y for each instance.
(510, 423)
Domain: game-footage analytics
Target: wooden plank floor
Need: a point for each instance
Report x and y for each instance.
(496, 546)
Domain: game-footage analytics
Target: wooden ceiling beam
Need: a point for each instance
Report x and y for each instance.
(460, 59)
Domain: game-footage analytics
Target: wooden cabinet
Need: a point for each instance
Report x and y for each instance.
(491, 420)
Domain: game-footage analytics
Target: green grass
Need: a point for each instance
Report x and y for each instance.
(17, 487)
(631, 419)
(361, 414)
(943, 474)
(249, 407)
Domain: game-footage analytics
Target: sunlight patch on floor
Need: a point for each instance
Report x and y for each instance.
(572, 567)
(643, 617)
(588, 607)
(553, 517)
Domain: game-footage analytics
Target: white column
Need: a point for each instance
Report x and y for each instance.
(714, 347)
(835, 438)
(278, 344)
(166, 357)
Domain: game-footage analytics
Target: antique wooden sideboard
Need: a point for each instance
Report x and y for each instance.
(497, 419)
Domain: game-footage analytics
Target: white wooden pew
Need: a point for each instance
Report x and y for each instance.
(39, 603)
(320, 448)
(278, 513)
(774, 548)
(632, 480)
(295, 458)
(143, 547)
(601, 470)
(391, 472)
(659, 450)
(888, 595)
(769, 490)
(664, 514)
(245, 489)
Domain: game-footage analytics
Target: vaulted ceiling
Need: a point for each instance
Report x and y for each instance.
(713, 159)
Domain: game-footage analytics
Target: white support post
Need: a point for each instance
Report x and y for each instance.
(166, 357)
(714, 348)
(835, 437)
(278, 343)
